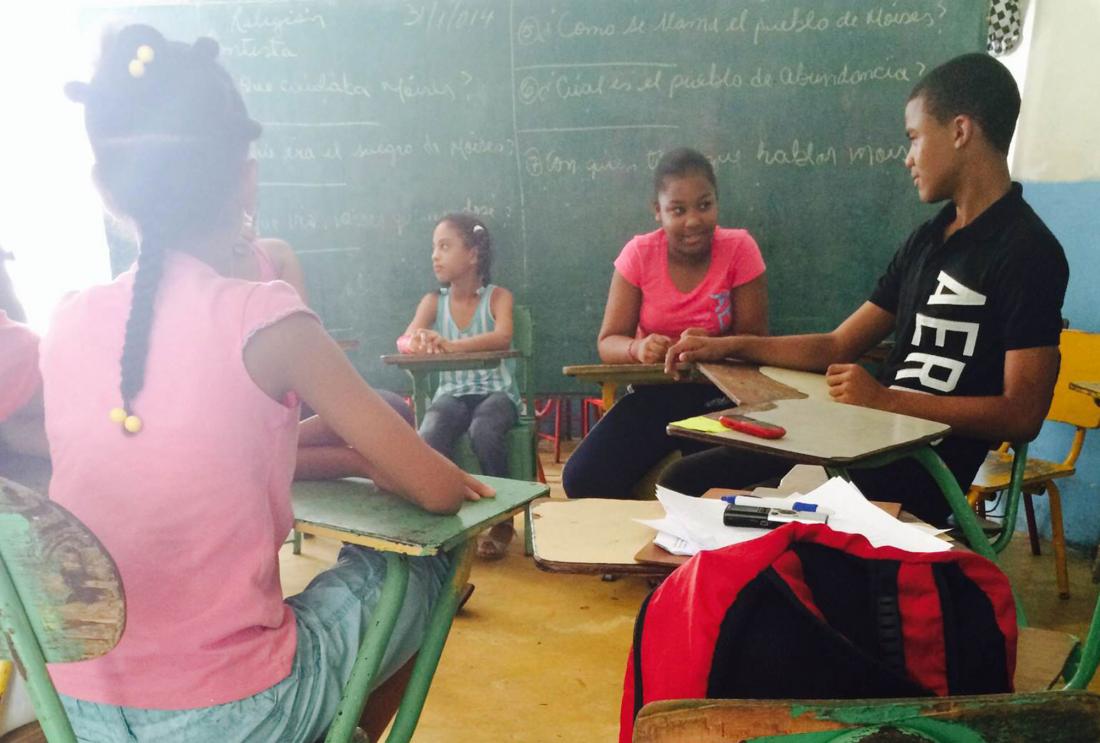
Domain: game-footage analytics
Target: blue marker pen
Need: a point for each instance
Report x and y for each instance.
(748, 500)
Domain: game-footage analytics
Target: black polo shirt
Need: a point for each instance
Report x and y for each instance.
(994, 286)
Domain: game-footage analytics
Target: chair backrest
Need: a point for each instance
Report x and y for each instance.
(523, 340)
(66, 581)
(1080, 363)
(61, 597)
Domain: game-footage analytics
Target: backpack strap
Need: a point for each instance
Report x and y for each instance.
(884, 585)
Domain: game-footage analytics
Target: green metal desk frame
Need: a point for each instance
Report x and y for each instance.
(421, 367)
(356, 512)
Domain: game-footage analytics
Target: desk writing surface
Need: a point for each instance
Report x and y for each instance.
(749, 384)
(827, 433)
(625, 373)
(357, 508)
(811, 384)
(444, 361)
(593, 535)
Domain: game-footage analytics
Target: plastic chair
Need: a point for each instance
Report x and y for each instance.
(523, 461)
(1080, 360)
(548, 405)
(596, 405)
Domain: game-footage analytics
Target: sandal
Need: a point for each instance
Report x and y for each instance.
(493, 544)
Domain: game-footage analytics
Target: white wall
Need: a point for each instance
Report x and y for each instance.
(1058, 135)
(50, 215)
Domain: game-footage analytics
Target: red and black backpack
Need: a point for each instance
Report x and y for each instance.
(806, 612)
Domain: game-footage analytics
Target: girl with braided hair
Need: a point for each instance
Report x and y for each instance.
(171, 398)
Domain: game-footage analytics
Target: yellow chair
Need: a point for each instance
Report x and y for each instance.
(1080, 360)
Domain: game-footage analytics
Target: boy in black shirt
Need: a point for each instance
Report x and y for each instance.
(974, 297)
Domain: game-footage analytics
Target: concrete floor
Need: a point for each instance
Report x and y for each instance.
(538, 657)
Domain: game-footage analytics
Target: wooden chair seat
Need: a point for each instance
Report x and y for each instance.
(995, 474)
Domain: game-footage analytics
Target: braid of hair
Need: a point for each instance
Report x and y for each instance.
(483, 244)
(135, 348)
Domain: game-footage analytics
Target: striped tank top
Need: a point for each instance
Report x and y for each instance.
(501, 378)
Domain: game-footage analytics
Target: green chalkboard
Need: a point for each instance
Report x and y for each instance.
(547, 117)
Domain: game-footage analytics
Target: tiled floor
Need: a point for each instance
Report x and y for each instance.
(540, 657)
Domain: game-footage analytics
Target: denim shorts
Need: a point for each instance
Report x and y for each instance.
(331, 614)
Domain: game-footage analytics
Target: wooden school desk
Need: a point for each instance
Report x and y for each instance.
(421, 366)
(611, 376)
(834, 435)
(357, 512)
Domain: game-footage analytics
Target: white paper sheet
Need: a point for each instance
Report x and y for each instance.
(693, 524)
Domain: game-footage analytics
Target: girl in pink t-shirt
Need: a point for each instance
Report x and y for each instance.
(689, 277)
(171, 403)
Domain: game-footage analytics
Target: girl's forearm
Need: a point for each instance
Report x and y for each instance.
(493, 341)
(618, 349)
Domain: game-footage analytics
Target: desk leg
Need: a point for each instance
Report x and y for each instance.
(1090, 654)
(960, 507)
(607, 391)
(419, 395)
(371, 650)
(427, 659)
(964, 514)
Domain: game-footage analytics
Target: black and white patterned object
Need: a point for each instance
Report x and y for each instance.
(1004, 26)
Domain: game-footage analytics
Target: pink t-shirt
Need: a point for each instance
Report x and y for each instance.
(194, 508)
(735, 260)
(19, 378)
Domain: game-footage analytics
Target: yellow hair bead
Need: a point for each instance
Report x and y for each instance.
(118, 415)
(132, 424)
(145, 54)
(137, 68)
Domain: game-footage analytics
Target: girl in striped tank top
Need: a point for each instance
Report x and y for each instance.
(468, 314)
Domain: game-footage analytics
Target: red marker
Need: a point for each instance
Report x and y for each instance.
(752, 427)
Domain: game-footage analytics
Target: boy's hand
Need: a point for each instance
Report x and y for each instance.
(652, 348)
(852, 384)
(694, 348)
(476, 489)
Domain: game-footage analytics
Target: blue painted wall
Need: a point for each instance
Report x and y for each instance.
(1072, 211)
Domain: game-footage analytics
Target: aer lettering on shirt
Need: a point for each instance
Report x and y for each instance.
(940, 372)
